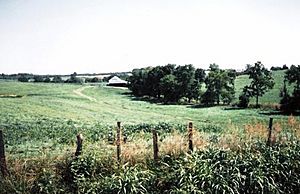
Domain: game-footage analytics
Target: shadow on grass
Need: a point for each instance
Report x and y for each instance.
(151, 100)
(10, 96)
(201, 106)
(142, 98)
(274, 113)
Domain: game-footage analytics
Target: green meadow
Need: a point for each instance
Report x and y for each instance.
(51, 109)
(40, 122)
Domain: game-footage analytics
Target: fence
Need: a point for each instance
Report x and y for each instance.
(190, 128)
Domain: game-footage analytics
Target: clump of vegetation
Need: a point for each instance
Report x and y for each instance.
(219, 86)
(291, 103)
(231, 160)
(262, 81)
(169, 83)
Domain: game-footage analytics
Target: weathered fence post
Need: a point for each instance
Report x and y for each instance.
(270, 131)
(79, 144)
(155, 145)
(190, 135)
(118, 141)
(3, 166)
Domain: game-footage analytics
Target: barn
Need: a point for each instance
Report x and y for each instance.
(116, 81)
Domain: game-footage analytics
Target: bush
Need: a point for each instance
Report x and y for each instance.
(23, 79)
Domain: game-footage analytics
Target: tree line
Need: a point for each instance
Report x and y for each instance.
(172, 84)
(26, 77)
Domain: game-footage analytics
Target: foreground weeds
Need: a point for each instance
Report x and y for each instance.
(235, 160)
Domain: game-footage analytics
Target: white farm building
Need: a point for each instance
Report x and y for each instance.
(116, 81)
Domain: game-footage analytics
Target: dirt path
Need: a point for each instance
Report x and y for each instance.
(79, 93)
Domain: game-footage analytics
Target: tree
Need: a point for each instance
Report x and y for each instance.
(262, 81)
(219, 86)
(291, 103)
(168, 87)
(74, 79)
(200, 75)
(194, 89)
(23, 78)
(57, 79)
(38, 78)
(185, 78)
(244, 98)
(153, 79)
(293, 76)
(137, 82)
(47, 80)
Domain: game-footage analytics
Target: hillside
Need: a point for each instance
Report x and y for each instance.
(40, 122)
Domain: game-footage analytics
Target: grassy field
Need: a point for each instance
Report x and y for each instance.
(47, 108)
(41, 120)
(111, 105)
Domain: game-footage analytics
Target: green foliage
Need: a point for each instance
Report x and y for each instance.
(262, 81)
(23, 78)
(46, 182)
(219, 86)
(92, 80)
(170, 82)
(74, 79)
(291, 103)
(244, 98)
(47, 80)
(38, 78)
(57, 79)
(169, 88)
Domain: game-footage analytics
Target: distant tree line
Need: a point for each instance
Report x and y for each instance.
(284, 67)
(25, 77)
(172, 83)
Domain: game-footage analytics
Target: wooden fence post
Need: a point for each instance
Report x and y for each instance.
(155, 145)
(119, 141)
(190, 135)
(270, 131)
(3, 166)
(79, 144)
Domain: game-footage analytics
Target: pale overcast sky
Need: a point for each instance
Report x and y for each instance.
(92, 36)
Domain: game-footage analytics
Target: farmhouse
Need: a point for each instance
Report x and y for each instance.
(116, 81)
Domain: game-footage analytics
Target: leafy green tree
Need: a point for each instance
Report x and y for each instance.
(194, 91)
(293, 76)
(219, 86)
(153, 80)
(262, 81)
(38, 78)
(291, 103)
(244, 98)
(200, 75)
(169, 88)
(137, 82)
(74, 79)
(47, 80)
(57, 79)
(23, 78)
(185, 78)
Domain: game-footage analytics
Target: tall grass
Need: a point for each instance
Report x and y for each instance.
(233, 161)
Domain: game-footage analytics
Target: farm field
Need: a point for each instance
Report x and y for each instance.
(41, 120)
(50, 113)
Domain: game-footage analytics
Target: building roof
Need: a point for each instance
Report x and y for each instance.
(116, 80)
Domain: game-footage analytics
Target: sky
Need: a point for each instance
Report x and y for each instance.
(99, 36)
